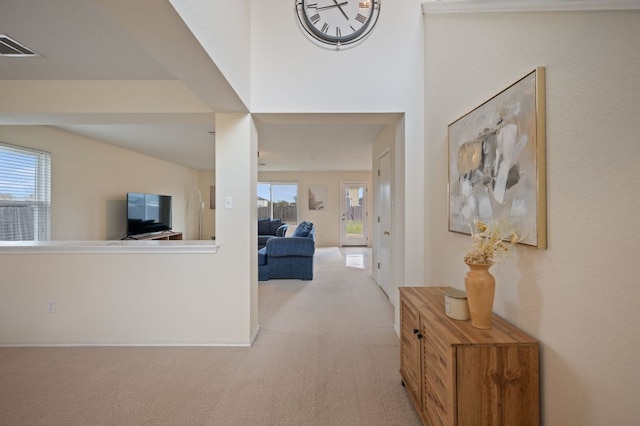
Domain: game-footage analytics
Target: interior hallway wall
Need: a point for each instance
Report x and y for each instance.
(578, 297)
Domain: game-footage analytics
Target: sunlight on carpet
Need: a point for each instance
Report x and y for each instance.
(354, 261)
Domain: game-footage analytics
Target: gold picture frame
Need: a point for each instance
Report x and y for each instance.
(497, 162)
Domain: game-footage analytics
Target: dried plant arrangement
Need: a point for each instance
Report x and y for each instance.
(490, 242)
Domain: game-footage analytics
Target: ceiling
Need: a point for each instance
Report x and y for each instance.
(114, 40)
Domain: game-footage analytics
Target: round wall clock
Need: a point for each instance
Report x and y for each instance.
(338, 22)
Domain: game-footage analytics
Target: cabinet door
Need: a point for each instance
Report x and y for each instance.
(498, 384)
(410, 349)
(436, 378)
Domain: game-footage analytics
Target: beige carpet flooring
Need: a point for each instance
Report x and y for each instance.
(326, 355)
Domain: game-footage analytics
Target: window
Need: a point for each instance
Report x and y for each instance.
(25, 194)
(278, 201)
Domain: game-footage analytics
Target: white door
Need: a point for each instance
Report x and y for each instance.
(353, 207)
(383, 225)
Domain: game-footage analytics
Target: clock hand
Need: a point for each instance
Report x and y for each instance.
(332, 5)
(341, 10)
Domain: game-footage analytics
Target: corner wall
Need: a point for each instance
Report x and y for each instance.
(223, 29)
(236, 176)
(579, 297)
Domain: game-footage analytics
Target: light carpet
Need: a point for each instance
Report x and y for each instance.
(327, 354)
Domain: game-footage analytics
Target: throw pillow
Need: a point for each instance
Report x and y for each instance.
(303, 229)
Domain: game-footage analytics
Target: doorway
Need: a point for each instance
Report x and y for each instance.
(353, 208)
(383, 236)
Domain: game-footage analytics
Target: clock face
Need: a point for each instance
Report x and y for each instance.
(338, 22)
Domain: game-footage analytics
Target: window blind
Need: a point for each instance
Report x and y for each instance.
(25, 194)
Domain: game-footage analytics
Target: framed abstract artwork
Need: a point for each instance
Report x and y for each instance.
(497, 162)
(317, 197)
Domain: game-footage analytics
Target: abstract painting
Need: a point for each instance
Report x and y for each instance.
(497, 166)
(317, 197)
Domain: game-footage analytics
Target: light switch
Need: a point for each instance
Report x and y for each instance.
(228, 203)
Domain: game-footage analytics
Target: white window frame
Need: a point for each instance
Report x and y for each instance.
(41, 200)
(270, 201)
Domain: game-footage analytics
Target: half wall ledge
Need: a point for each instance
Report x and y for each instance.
(109, 246)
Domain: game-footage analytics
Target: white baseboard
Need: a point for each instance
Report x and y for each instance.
(254, 336)
(240, 344)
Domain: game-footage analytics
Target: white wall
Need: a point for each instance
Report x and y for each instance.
(383, 74)
(327, 221)
(119, 299)
(579, 297)
(90, 180)
(133, 298)
(29, 101)
(237, 230)
(223, 29)
(177, 298)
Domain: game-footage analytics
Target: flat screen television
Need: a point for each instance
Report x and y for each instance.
(148, 213)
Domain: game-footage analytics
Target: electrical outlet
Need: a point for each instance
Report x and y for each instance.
(51, 306)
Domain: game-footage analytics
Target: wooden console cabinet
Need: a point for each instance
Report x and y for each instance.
(161, 236)
(456, 374)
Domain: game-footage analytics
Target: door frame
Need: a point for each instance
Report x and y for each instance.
(384, 280)
(344, 242)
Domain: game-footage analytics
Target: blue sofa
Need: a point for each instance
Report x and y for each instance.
(289, 257)
(269, 228)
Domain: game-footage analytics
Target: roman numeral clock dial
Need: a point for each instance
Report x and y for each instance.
(337, 22)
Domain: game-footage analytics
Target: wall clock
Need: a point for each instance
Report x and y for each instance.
(337, 22)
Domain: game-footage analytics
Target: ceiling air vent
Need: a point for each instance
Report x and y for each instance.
(10, 47)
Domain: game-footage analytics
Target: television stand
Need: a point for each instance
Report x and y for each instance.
(160, 236)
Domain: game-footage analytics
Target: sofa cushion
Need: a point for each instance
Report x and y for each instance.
(263, 226)
(274, 224)
(262, 256)
(290, 246)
